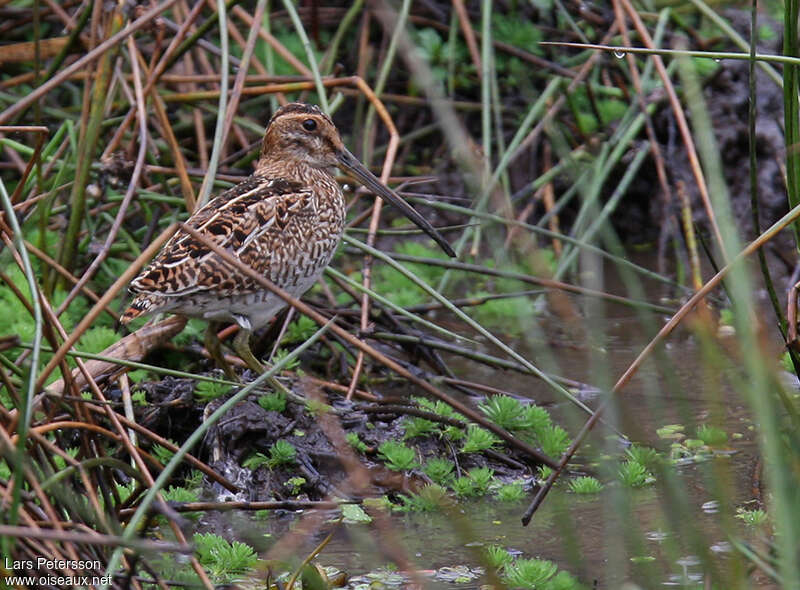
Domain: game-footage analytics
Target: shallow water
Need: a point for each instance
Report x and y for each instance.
(620, 535)
(597, 527)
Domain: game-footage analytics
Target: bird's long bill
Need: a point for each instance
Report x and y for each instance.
(349, 162)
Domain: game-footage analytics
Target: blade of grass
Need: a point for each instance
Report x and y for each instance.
(220, 128)
(24, 423)
(312, 61)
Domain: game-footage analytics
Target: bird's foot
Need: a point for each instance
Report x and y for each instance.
(241, 344)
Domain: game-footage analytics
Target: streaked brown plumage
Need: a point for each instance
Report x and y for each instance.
(284, 221)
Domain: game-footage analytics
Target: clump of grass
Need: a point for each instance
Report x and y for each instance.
(273, 402)
(439, 470)
(633, 474)
(585, 485)
(205, 391)
(398, 457)
(478, 439)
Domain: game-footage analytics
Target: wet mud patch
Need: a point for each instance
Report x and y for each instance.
(278, 446)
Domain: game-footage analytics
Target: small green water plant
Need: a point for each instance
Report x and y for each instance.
(97, 339)
(671, 431)
(712, 436)
(510, 492)
(224, 561)
(478, 439)
(475, 483)
(205, 391)
(553, 440)
(415, 426)
(139, 397)
(294, 484)
(438, 407)
(281, 453)
(634, 475)
(453, 433)
(397, 456)
(464, 487)
(585, 485)
(255, 461)
(355, 442)
(529, 573)
(162, 453)
(535, 419)
(646, 456)
(543, 472)
(503, 410)
(482, 476)
(497, 556)
(273, 402)
(440, 470)
(752, 518)
(282, 353)
(300, 330)
(182, 495)
(124, 491)
(503, 313)
(60, 462)
(430, 498)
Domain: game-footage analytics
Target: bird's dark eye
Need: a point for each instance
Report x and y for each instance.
(309, 124)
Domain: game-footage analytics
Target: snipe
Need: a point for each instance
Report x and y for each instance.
(284, 221)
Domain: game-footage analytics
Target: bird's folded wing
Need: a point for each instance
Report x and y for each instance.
(248, 220)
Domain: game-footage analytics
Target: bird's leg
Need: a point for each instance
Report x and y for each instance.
(241, 344)
(214, 348)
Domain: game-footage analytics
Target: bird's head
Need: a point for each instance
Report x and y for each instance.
(301, 134)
